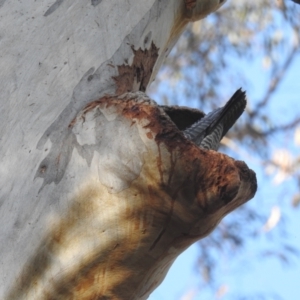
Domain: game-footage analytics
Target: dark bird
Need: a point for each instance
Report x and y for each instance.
(208, 131)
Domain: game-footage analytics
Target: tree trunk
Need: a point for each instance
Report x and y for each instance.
(100, 190)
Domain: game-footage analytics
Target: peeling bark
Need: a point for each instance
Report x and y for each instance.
(136, 76)
(190, 4)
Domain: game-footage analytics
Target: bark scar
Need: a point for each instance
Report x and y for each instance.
(135, 77)
(190, 4)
